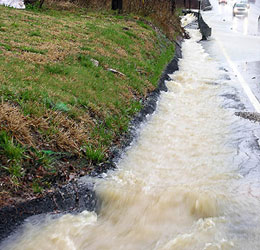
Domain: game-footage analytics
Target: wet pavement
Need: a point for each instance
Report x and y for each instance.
(251, 73)
(235, 43)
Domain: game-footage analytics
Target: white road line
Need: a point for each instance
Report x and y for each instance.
(241, 80)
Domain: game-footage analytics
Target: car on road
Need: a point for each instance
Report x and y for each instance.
(222, 1)
(240, 9)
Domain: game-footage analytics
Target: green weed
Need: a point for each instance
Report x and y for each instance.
(36, 187)
(8, 147)
(35, 33)
(143, 25)
(119, 17)
(85, 61)
(131, 34)
(94, 154)
(134, 108)
(6, 46)
(15, 25)
(44, 158)
(85, 48)
(15, 169)
(57, 69)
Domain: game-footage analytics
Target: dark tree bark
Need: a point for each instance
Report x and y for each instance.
(117, 5)
(33, 2)
(41, 3)
(172, 6)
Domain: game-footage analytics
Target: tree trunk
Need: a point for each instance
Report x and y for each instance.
(117, 5)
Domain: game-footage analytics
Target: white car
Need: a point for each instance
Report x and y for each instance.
(240, 9)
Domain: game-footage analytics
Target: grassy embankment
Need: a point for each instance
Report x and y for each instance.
(60, 113)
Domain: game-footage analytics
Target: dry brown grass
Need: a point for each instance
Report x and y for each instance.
(14, 122)
(68, 135)
(55, 41)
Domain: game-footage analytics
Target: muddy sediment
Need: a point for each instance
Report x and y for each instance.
(251, 116)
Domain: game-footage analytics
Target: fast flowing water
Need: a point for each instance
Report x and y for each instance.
(176, 187)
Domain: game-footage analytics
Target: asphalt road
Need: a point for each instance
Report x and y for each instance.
(235, 42)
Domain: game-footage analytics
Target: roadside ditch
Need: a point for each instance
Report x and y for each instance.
(79, 194)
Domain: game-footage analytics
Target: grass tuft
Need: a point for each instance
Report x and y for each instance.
(8, 148)
(56, 69)
(35, 33)
(96, 155)
(85, 61)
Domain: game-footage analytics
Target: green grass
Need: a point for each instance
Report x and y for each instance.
(8, 148)
(33, 50)
(36, 187)
(11, 152)
(143, 25)
(96, 155)
(68, 105)
(35, 33)
(56, 69)
(6, 46)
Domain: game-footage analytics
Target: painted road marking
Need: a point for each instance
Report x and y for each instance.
(241, 80)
